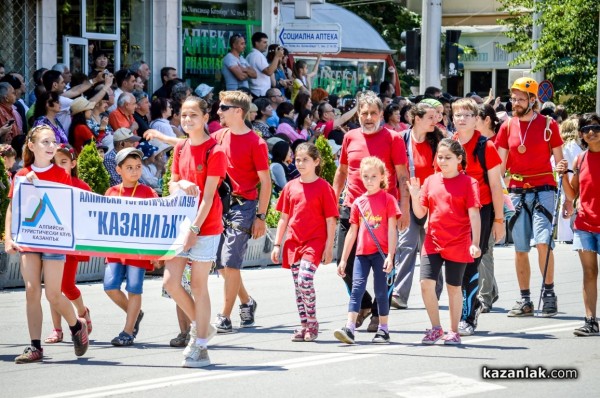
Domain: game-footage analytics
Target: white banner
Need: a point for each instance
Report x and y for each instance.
(57, 218)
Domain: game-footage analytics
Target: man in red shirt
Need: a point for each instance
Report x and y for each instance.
(123, 115)
(369, 140)
(530, 140)
(248, 165)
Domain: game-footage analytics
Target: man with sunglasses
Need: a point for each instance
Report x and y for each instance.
(248, 165)
(236, 70)
(529, 140)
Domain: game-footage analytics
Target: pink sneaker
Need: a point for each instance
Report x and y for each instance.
(433, 335)
(452, 338)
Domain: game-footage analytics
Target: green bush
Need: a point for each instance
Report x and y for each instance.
(328, 167)
(4, 188)
(272, 214)
(91, 169)
(167, 176)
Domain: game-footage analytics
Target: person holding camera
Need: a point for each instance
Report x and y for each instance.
(262, 82)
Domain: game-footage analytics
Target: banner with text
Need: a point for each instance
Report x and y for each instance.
(56, 218)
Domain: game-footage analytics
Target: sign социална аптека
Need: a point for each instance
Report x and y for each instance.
(316, 38)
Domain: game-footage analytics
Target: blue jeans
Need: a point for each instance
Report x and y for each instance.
(362, 267)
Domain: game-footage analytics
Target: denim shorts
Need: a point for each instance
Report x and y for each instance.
(116, 273)
(50, 256)
(234, 241)
(205, 249)
(586, 241)
(529, 232)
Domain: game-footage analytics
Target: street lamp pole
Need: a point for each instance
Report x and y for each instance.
(431, 31)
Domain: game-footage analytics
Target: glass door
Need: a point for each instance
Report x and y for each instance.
(75, 54)
(100, 21)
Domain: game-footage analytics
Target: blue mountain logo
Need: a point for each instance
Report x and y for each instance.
(39, 211)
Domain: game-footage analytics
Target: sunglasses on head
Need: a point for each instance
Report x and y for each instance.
(592, 128)
(225, 108)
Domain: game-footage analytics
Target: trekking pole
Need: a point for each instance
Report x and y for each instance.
(551, 238)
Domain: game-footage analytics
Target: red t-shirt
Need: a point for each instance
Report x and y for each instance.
(449, 201)
(83, 134)
(190, 163)
(474, 169)
(588, 211)
(308, 205)
(327, 127)
(536, 158)
(247, 154)
(143, 192)
(387, 146)
(377, 209)
(52, 173)
(423, 159)
(77, 183)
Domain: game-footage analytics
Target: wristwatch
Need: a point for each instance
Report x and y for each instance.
(261, 216)
(195, 229)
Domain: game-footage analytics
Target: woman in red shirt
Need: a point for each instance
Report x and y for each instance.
(79, 132)
(452, 200)
(586, 238)
(199, 166)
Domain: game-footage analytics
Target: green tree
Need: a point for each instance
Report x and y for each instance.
(390, 19)
(91, 169)
(567, 49)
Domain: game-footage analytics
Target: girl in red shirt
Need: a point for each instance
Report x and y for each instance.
(380, 210)
(66, 159)
(199, 166)
(586, 238)
(308, 211)
(38, 155)
(451, 201)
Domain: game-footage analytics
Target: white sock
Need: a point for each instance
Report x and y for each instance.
(193, 324)
(202, 342)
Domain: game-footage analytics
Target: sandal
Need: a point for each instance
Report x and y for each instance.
(299, 334)
(55, 337)
(311, 332)
(88, 320)
(362, 315)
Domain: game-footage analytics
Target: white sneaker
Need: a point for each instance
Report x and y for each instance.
(465, 329)
(212, 332)
(198, 358)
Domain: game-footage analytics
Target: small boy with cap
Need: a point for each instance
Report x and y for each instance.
(122, 138)
(129, 167)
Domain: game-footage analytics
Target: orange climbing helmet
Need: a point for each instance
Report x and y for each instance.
(526, 84)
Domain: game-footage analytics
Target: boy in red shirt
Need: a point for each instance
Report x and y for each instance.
(248, 165)
(129, 167)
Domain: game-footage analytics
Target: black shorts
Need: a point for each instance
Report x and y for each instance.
(431, 265)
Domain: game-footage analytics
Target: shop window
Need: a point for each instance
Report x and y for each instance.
(481, 82)
(502, 88)
(136, 32)
(207, 27)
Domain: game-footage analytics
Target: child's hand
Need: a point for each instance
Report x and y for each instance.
(388, 265)
(190, 241)
(11, 247)
(327, 256)
(188, 187)
(275, 254)
(31, 176)
(414, 186)
(475, 251)
(341, 269)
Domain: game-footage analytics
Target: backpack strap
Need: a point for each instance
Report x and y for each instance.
(479, 154)
(580, 159)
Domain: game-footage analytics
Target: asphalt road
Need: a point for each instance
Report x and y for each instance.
(263, 362)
